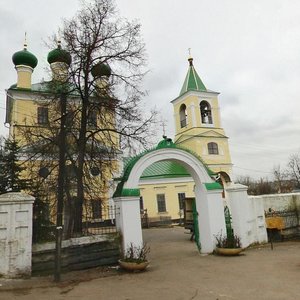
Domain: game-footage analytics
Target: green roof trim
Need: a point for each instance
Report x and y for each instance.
(165, 143)
(192, 81)
(130, 192)
(213, 186)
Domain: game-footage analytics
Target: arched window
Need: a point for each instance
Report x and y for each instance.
(205, 111)
(183, 116)
(212, 148)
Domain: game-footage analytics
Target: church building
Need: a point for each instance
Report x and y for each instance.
(165, 184)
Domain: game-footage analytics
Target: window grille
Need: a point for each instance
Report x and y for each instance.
(42, 115)
(161, 203)
(213, 148)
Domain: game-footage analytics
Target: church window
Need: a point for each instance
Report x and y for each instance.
(213, 148)
(181, 197)
(92, 120)
(96, 208)
(161, 203)
(42, 115)
(183, 116)
(141, 203)
(205, 111)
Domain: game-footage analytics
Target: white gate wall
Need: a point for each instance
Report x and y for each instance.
(15, 234)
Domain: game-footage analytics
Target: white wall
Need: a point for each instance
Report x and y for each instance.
(15, 234)
(279, 202)
(248, 219)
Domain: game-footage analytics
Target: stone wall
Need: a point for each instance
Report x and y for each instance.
(77, 254)
(287, 207)
(279, 202)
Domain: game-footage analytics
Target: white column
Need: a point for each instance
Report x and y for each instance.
(193, 114)
(238, 199)
(211, 218)
(128, 221)
(15, 234)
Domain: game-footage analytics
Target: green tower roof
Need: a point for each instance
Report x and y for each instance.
(192, 80)
(59, 55)
(24, 57)
(101, 69)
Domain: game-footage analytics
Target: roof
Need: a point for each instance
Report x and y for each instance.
(164, 169)
(59, 55)
(160, 169)
(24, 57)
(192, 80)
(48, 87)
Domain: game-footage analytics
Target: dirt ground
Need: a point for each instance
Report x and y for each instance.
(178, 272)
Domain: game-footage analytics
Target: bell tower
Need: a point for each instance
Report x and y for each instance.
(198, 124)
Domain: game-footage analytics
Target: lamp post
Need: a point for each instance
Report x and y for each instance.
(60, 187)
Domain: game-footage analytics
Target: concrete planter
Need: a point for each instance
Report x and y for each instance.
(133, 266)
(229, 251)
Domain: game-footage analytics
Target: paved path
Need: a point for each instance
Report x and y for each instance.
(179, 272)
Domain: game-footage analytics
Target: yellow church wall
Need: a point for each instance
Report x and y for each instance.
(196, 135)
(23, 116)
(150, 191)
(24, 76)
(192, 103)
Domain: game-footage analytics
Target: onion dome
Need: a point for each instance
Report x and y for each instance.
(59, 55)
(24, 57)
(101, 69)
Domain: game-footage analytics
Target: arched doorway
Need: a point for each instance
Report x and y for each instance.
(208, 195)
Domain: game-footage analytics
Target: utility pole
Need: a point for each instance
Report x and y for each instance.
(60, 187)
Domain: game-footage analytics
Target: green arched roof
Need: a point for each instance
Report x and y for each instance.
(158, 168)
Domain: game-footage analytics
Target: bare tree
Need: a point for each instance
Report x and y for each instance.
(281, 180)
(256, 187)
(103, 102)
(294, 169)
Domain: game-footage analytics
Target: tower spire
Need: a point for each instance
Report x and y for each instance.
(25, 41)
(190, 59)
(192, 80)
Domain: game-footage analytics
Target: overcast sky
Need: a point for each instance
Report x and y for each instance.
(249, 51)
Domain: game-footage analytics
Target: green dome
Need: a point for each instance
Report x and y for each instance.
(24, 57)
(101, 69)
(59, 55)
(165, 143)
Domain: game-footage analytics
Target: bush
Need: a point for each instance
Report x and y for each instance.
(136, 254)
(230, 241)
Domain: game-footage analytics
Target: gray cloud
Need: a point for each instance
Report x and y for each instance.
(249, 51)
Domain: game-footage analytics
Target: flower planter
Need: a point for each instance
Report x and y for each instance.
(229, 251)
(133, 266)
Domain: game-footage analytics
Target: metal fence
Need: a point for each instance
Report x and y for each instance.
(103, 224)
(290, 223)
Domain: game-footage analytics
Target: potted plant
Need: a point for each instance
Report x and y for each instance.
(228, 245)
(135, 258)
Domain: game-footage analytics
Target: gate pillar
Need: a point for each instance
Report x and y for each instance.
(239, 205)
(128, 221)
(211, 218)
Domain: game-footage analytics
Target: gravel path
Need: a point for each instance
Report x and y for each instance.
(177, 272)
